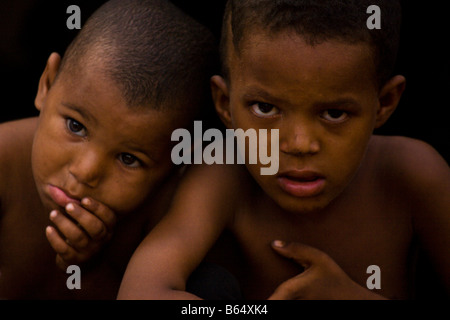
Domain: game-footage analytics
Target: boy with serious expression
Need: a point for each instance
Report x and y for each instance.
(343, 199)
(324, 102)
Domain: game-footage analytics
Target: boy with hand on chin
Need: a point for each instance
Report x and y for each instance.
(100, 148)
(343, 199)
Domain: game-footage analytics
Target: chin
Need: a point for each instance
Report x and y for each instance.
(310, 205)
(302, 209)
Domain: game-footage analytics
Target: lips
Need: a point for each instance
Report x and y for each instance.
(301, 183)
(60, 197)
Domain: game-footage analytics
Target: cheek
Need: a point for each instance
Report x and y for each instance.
(48, 153)
(121, 195)
(125, 194)
(345, 156)
(124, 199)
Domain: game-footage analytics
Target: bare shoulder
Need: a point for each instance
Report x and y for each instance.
(416, 171)
(16, 138)
(410, 160)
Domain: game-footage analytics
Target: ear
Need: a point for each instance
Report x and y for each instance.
(47, 79)
(221, 99)
(389, 98)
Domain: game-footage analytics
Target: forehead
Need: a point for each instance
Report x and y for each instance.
(285, 58)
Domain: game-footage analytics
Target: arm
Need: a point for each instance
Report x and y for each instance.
(201, 209)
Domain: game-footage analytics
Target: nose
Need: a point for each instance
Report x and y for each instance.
(298, 139)
(87, 167)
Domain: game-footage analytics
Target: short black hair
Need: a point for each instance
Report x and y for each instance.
(156, 54)
(317, 21)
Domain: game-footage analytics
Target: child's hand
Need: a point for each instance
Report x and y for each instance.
(79, 239)
(322, 278)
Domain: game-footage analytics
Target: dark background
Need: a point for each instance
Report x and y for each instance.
(31, 29)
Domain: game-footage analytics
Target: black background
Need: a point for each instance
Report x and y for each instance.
(31, 29)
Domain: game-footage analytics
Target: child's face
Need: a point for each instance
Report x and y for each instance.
(323, 100)
(89, 143)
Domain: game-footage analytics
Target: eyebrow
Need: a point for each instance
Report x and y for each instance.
(348, 102)
(82, 111)
(253, 92)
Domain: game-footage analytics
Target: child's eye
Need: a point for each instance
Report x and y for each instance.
(262, 109)
(129, 160)
(75, 127)
(335, 115)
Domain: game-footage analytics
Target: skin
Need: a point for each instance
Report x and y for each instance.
(109, 159)
(377, 194)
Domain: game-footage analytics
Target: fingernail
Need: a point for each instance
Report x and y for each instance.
(70, 207)
(86, 202)
(279, 243)
(53, 214)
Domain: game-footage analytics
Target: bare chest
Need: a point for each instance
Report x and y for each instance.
(26, 258)
(373, 235)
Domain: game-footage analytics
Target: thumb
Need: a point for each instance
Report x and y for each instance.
(302, 254)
